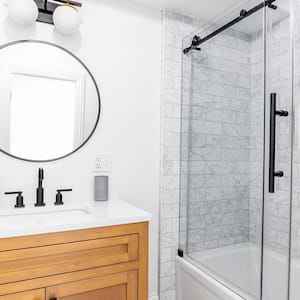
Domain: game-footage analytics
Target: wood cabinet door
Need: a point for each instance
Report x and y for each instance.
(29, 263)
(28, 295)
(120, 286)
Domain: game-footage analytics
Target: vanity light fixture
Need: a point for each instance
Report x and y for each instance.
(61, 13)
(23, 13)
(66, 19)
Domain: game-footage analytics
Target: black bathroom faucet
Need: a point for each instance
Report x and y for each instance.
(40, 190)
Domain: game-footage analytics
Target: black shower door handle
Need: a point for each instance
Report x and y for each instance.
(272, 149)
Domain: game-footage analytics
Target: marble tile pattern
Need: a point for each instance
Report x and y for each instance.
(213, 139)
(223, 143)
(175, 28)
(296, 145)
(217, 147)
(279, 72)
(256, 137)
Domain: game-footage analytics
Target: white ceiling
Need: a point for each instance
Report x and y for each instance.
(202, 9)
(221, 11)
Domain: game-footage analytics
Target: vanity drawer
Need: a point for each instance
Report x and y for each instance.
(29, 295)
(119, 286)
(35, 262)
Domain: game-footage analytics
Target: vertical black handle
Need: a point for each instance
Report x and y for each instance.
(272, 149)
(272, 142)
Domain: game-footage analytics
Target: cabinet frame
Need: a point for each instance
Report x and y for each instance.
(137, 263)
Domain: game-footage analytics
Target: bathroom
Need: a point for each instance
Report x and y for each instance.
(180, 180)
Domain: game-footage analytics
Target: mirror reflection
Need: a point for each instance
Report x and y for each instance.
(49, 103)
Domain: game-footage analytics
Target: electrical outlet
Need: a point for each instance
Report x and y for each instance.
(103, 162)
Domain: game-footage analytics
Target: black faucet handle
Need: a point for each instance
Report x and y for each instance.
(13, 193)
(19, 199)
(59, 196)
(64, 190)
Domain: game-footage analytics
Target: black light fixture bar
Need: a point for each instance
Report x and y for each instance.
(46, 9)
(74, 3)
(197, 41)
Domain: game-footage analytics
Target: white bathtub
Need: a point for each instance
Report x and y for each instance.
(239, 264)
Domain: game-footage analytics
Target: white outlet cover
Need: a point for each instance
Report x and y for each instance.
(103, 162)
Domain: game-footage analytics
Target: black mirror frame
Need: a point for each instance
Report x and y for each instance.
(97, 90)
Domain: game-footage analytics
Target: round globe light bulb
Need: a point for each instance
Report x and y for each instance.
(22, 12)
(66, 19)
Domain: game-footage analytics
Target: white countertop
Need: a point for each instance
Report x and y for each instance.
(29, 221)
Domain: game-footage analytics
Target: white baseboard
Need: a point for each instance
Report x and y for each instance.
(153, 297)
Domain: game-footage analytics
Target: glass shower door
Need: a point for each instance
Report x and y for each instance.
(235, 220)
(222, 153)
(295, 223)
(278, 98)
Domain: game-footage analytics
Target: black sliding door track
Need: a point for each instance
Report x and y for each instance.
(197, 41)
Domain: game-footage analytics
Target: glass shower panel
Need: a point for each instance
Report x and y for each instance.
(222, 153)
(295, 232)
(277, 205)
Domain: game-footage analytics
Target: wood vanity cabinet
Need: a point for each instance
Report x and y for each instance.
(32, 295)
(106, 263)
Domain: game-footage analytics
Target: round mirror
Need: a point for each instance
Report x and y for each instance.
(49, 101)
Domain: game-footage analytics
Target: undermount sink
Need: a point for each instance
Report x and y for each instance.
(27, 218)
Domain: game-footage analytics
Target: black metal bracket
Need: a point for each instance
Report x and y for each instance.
(180, 252)
(46, 9)
(272, 6)
(243, 14)
(281, 113)
(196, 40)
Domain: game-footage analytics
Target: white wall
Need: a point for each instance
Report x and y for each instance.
(121, 44)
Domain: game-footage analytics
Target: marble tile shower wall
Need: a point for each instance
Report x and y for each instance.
(225, 115)
(219, 143)
(279, 78)
(278, 81)
(226, 139)
(296, 149)
(256, 137)
(175, 28)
